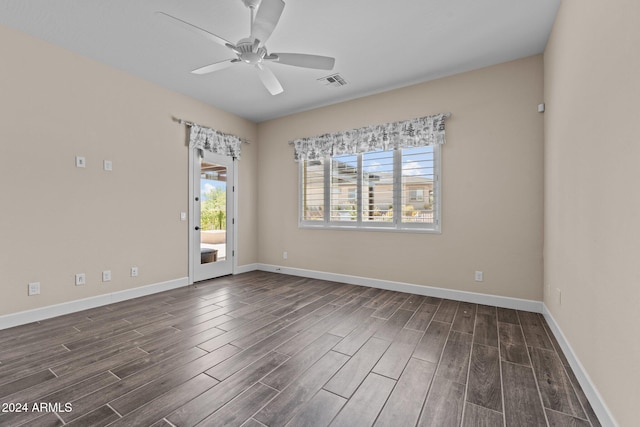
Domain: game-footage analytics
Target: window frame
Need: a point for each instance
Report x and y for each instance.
(396, 225)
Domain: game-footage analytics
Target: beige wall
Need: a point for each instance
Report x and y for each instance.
(592, 202)
(58, 220)
(491, 178)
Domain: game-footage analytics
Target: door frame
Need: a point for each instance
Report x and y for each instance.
(194, 154)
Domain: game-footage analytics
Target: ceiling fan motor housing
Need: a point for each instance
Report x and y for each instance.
(249, 52)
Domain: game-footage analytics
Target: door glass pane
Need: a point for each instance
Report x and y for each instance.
(213, 212)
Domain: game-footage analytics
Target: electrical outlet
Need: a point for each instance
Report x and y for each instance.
(479, 276)
(34, 288)
(106, 276)
(134, 271)
(81, 279)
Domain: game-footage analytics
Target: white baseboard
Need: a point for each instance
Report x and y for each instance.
(478, 298)
(37, 314)
(595, 399)
(245, 268)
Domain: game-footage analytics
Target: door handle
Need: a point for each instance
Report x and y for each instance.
(197, 228)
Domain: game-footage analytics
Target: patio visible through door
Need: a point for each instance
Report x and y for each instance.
(211, 239)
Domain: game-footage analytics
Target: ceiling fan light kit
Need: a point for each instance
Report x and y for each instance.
(252, 50)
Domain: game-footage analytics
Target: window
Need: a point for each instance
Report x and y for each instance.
(416, 195)
(377, 190)
(344, 177)
(377, 187)
(313, 190)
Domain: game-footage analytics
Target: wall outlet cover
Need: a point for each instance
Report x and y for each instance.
(34, 288)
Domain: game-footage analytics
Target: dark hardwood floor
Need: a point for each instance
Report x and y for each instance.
(264, 349)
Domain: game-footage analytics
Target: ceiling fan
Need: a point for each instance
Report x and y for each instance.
(252, 50)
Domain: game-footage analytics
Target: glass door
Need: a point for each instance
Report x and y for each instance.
(212, 217)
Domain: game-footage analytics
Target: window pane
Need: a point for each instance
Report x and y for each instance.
(417, 185)
(377, 186)
(313, 190)
(344, 183)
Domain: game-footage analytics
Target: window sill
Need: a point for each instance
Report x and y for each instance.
(388, 229)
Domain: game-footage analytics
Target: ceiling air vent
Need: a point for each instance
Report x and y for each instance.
(334, 80)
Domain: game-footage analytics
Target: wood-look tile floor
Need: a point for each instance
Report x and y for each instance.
(264, 349)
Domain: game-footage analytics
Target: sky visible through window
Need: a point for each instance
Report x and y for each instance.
(206, 185)
(378, 161)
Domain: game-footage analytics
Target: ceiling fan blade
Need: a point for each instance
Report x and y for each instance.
(269, 80)
(215, 67)
(266, 19)
(303, 60)
(187, 26)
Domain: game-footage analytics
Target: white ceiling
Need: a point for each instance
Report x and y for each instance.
(378, 44)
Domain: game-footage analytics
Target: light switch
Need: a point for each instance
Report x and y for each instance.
(108, 165)
(106, 276)
(81, 162)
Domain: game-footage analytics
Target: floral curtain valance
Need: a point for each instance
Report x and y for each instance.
(214, 141)
(408, 133)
